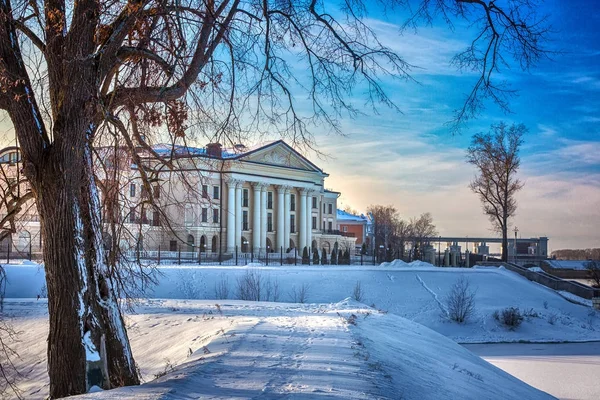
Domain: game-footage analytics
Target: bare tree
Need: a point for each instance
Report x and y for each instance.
(140, 72)
(422, 230)
(496, 157)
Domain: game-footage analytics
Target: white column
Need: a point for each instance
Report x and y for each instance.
(286, 218)
(309, 219)
(231, 216)
(238, 215)
(256, 237)
(280, 218)
(263, 217)
(302, 231)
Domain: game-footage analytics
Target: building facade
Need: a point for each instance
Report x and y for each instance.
(268, 198)
(353, 226)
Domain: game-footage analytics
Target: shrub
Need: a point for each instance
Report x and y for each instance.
(324, 257)
(315, 256)
(347, 257)
(358, 293)
(222, 288)
(510, 316)
(249, 286)
(299, 295)
(460, 302)
(305, 259)
(334, 257)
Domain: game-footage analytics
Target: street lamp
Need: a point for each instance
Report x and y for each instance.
(516, 230)
(381, 247)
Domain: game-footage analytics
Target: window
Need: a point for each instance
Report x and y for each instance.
(293, 202)
(269, 222)
(189, 215)
(330, 226)
(245, 198)
(132, 214)
(205, 191)
(314, 202)
(144, 216)
(324, 225)
(314, 222)
(330, 208)
(132, 190)
(345, 228)
(269, 200)
(323, 208)
(204, 214)
(216, 192)
(245, 220)
(173, 245)
(292, 224)
(155, 218)
(156, 191)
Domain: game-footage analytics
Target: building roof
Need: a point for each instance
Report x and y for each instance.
(343, 216)
(234, 153)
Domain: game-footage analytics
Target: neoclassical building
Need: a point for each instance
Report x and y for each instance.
(268, 198)
(216, 200)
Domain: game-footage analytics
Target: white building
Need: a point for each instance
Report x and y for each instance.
(268, 198)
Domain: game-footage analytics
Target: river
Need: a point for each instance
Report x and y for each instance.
(565, 370)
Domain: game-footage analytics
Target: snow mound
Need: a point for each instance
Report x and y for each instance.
(536, 269)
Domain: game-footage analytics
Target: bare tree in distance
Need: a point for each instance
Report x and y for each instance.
(422, 229)
(495, 155)
(79, 76)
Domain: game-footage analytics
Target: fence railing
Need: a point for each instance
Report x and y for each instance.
(240, 258)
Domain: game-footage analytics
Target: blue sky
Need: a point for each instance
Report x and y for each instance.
(411, 160)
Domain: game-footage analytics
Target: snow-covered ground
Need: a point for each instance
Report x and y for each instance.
(247, 349)
(416, 292)
(271, 350)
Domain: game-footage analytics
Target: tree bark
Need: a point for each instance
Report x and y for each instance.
(81, 299)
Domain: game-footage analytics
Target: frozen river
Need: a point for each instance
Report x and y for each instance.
(565, 370)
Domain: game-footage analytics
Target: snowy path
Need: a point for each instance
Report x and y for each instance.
(296, 354)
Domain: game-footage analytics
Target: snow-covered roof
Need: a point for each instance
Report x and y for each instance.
(346, 216)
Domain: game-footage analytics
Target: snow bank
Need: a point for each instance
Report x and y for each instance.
(415, 291)
(247, 350)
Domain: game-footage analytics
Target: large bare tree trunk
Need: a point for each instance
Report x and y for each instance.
(85, 321)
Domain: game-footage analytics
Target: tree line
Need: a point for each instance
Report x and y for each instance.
(577, 254)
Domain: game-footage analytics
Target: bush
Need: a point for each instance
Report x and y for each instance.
(334, 257)
(460, 302)
(510, 316)
(358, 293)
(249, 286)
(315, 256)
(222, 288)
(305, 258)
(299, 295)
(324, 257)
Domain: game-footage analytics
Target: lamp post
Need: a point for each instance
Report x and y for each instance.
(268, 248)
(245, 243)
(516, 230)
(381, 247)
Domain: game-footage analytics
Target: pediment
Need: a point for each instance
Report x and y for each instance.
(280, 154)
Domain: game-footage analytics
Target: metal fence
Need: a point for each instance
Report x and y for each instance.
(240, 258)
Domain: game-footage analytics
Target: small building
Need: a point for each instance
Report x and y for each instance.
(354, 226)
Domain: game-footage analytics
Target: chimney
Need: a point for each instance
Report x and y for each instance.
(214, 150)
